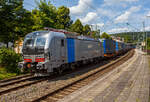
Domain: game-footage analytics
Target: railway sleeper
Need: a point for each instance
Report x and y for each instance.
(52, 98)
(78, 86)
(64, 92)
(84, 82)
(81, 84)
(57, 96)
(69, 90)
(74, 88)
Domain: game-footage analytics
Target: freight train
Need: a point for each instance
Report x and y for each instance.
(53, 50)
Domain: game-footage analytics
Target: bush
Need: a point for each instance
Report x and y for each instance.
(5, 75)
(9, 59)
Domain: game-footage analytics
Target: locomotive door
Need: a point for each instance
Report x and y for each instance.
(59, 50)
(62, 51)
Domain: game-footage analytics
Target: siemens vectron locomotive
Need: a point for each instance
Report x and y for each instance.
(52, 50)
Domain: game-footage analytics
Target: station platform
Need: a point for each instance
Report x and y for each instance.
(128, 82)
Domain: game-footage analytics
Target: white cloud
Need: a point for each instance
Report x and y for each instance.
(81, 7)
(147, 28)
(89, 17)
(125, 16)
(118, 30)
(117, 2)
(100, 24)
(106, 12)
(97, 26)
(134, 8)
(148, 14)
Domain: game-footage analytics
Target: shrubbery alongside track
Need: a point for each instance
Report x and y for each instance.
(8, 63)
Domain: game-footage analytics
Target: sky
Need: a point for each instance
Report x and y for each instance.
(111, 16)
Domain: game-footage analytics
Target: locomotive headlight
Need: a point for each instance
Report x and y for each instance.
(29, 65)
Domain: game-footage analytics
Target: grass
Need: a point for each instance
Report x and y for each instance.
(5, 75)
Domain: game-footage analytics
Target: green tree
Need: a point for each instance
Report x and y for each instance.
(14, 20)
(148, 43)
(63, 18)
(127, 38)
(86, 30)
(44, 16)
(77, 27)
(36, 15)
(96, 34)
(105, 35)
(7, 9)
(24, 23)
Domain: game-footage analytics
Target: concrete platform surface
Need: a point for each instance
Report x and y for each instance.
(129, 82)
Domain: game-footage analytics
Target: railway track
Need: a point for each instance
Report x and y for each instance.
(8, 82)
(66, 89)
(23, 81)
(14, 78)
(9, 85)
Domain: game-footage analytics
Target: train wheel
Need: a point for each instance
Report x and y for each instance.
(95, 61)
(72, 66)
(60, 70)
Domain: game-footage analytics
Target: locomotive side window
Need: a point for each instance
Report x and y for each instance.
(62, 42)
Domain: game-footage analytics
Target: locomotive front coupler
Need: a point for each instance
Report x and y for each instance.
(41, 67)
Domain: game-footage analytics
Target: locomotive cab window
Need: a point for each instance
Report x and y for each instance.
(62, 42)
(40, 41)
(29, 42)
